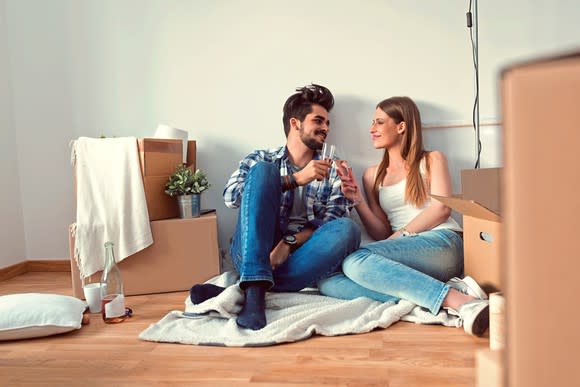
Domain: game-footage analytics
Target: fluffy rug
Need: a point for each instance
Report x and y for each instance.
(291, 317)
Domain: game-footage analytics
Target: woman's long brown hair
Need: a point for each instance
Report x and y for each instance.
(404, 109)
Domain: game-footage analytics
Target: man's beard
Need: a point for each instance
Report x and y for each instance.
(311, 142)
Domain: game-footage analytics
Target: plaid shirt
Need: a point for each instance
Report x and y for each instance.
(324, 200)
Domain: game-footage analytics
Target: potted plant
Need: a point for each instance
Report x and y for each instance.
(187, 186)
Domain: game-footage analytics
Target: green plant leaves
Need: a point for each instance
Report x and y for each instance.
(184, 182)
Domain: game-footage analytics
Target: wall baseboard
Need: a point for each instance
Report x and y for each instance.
(34, 265)
(13, 271)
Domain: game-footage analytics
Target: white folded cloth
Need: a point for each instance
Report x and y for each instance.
(290, 316)
(111, 202)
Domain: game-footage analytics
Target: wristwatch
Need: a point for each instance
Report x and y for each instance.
(290, 240)
(406, 233)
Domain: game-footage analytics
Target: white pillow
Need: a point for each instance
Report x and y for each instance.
(29, 315)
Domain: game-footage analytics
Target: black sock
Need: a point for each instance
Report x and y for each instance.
(200, 293)
(253, 314)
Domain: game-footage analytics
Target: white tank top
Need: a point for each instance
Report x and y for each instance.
(400, 213)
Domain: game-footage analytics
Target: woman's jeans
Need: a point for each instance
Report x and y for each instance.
(413, 268)
(258, 231)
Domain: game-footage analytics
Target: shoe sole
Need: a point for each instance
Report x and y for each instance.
(481, 322)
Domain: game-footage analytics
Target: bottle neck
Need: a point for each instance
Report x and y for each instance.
(109, 256)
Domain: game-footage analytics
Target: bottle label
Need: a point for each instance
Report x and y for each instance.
(116, 307)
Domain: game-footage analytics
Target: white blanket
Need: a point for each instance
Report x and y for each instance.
(290, 317)
(111, 202)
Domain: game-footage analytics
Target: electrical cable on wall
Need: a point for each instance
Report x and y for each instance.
(472, 24)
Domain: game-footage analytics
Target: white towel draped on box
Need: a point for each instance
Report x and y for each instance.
(111, 202)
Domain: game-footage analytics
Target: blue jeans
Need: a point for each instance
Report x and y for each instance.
(412, 268)
(258, 231)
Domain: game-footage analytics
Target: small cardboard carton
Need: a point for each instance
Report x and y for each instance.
(159, 158)
(490, 368)
(479, 204)
(184, 252)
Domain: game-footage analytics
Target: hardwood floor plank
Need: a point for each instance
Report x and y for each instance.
(98, 354)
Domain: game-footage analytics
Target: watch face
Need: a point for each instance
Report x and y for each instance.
(290, 239)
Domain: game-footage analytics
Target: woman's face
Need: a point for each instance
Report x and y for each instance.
(384, 131)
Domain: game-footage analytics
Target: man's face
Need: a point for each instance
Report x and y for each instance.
(314, 128)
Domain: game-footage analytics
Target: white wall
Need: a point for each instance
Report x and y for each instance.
(11, 231)
(223, 69)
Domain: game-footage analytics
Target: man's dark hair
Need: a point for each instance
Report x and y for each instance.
(299, 105)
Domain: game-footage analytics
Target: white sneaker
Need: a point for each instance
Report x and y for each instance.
(467, 285)
(474, 316)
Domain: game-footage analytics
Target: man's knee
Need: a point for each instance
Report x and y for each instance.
(349, 230)
(263, 169)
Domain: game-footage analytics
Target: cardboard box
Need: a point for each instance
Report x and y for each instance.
(184, 252)
(159, 158)
(490, 368)
(479, 204)
(541, 115)
(159, 204)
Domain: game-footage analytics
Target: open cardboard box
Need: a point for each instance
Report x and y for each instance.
(479, 204)
(184, 252)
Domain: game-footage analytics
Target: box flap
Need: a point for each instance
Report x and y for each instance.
(468, 207)
(191, 155)
(482, 186)
(159, 145)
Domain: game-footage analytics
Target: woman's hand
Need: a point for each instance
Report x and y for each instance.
(349, 186)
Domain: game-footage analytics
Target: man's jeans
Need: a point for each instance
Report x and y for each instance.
(412, 268)
(258, 231)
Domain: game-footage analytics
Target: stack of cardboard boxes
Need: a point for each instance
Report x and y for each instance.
(184, 251)
(482, 237)
(541, 190)
(538, 262)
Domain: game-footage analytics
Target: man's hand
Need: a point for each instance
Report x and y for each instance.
(314, 170)
(279, 254)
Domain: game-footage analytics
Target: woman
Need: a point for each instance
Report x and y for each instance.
(419, 246)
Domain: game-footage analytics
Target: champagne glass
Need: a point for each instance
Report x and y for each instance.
(327, 153)
(344, 168)
(345, 171)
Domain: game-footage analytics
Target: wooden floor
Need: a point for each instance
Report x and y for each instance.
(404, 354)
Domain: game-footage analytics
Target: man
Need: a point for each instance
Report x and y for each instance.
(291, 232)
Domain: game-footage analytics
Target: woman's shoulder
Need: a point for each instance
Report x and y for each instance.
(436, 156)
(370, 172)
